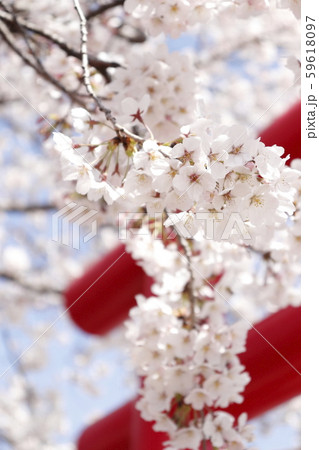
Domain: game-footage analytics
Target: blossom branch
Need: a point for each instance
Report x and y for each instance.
(86, 78)
(16, 24)
(39, 68)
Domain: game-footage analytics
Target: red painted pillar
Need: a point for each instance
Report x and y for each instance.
(110, 433)
(102, 297)
(273, 360)
(286, 132)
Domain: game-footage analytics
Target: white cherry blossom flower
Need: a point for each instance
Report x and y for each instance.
(194, 181)
(189, 151)
(199, 398)
(186, 438)
(138, 181)
(62, 142)
(81, 119)
(206, 350)
(219, 428)
(133, 110)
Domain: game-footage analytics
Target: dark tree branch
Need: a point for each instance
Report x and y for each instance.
(32, 288)
(124, 31)
(15, 24)
(8, 38)
(28, 208)
(130, 33)
(102, 8)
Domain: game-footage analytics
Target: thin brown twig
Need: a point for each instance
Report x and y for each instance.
(86, 78)
(202, 415)
(189, 288)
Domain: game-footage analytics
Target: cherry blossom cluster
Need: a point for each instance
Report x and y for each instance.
(184, 349)
(227, 92)
(169, 81)
(190, 370)
(176, 16)
(208, 180)
(226, 87)
(169, 16)
(172, 394)
(182, 346)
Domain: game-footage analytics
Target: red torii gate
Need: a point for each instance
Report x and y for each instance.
(100, 300)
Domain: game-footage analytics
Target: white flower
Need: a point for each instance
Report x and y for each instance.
(180, 379)
(174, 202)
(62, 142)
(80, 119)
(240, 147)
(170, 16)
(145, 408)
(262, 206)
(246, 431)
(146, 359)
(164, 423)
(138, 182)
(189, 438)
(158, 398)
(150, 159)
(136, 6)
(238, 332)
(163, 172)
(189, 151)
(184, 223)
(268, 161)
(82, 173)
(217, 385)
(194, 181)
(206, 349)
(185, 343)
(99, 189)
(134, 110)
(219, 428)
(288, 180)
(199, 398)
